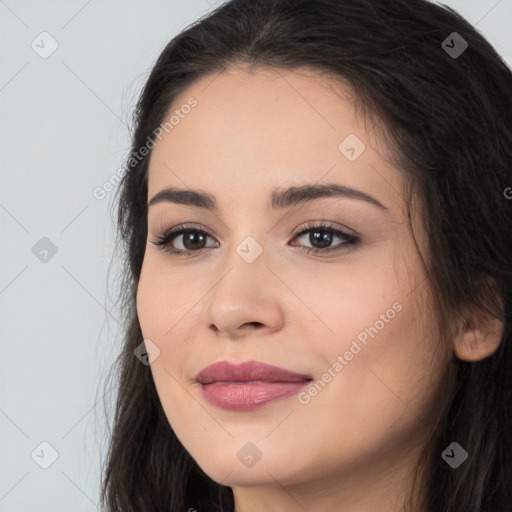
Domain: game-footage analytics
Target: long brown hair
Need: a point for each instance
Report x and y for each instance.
(448, 119)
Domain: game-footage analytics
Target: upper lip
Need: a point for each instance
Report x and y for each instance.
(225, 371)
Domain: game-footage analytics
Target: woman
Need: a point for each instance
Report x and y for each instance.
(317, 288)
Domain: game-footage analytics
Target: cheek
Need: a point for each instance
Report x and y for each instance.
(164, 309)
(163, 299)
(391, 370)
(377, 319)
(338, 303)
(158, 313)
(151, 304)
(169, 304)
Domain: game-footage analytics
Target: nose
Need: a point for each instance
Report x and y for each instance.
(245, 302)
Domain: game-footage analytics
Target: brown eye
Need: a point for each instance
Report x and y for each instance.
(321, 237)
(193, 240)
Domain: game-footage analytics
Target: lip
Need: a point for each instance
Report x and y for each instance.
(249, 385)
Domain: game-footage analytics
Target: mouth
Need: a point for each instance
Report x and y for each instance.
(249, 385)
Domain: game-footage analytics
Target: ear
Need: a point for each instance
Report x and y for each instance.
(480, 337)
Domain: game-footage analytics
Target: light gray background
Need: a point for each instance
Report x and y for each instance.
(64, 131)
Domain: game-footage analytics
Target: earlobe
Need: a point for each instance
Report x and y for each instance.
(480, 338)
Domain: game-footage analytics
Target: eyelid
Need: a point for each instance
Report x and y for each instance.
(324, 224)
(352, 238)
(160, 227)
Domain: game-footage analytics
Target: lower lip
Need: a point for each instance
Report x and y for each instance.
(244, 396)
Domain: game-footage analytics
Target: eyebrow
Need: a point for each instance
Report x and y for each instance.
(280, 199)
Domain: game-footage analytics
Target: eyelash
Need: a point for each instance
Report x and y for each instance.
(163, 241)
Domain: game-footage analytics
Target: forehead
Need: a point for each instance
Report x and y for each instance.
(256, 130)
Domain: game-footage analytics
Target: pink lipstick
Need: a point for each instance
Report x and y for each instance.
(246, 386)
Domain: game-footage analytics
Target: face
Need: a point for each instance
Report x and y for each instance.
(330, 288)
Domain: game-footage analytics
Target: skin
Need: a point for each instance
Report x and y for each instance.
(354, 445)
